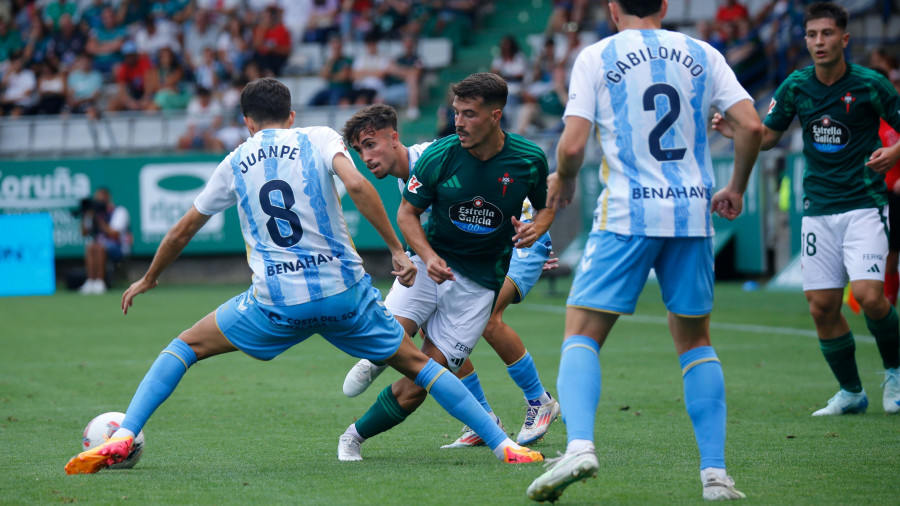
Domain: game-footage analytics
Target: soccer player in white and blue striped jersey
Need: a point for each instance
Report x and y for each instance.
(649, 92)
(307, 277)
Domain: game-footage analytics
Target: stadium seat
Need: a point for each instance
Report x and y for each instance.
(146, 133)
(15, 137)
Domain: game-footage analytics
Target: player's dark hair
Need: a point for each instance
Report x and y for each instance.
(831, 10)
(266, 101)
(371, 117)
(489, 87)
(640, 8)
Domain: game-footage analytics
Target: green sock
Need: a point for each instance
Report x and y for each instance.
(384, 414)
(887, 337)
(840, 353)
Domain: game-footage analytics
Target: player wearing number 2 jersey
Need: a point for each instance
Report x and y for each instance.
(844, 229)
(307, 278)
(649, 92)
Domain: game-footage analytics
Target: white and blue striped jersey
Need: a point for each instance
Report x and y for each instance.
(649, 92)
(297, 242)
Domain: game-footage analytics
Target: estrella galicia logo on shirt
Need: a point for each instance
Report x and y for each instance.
(828, 135)
(476, 216)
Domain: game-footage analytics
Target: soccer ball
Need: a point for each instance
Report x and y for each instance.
(105, 425)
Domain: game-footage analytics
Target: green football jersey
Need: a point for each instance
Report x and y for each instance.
(473, 202)
(840, 132)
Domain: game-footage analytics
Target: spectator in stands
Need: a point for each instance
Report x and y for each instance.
(338, 72)
(323, 21)
(107, 227)
(105, 42)
(177, 11)
(84, 85)
(455, 19)
(746, 55)
(132, 11)
(356, 17)
(204, 120)
(886, 62)
(369, 72)
(156, 33)
(510, 64)
(233, 46)
(51, 89)
(393, 16)
(10, 39)
(546, 88)
(404, 78)
(92, 14)
(134, 90)
(731, 11)
(199, 34)
(210, 72)
(271, 42)
(169, 81)
(17, 84)
(55, 10)
(565, 14)
(37, 44)
(67, 43)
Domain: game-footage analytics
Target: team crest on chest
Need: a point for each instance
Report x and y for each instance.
(847, 100)
(505, 181)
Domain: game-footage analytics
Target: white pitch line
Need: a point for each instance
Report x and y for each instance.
(753, 329)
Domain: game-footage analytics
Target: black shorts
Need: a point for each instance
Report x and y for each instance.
(894, 221)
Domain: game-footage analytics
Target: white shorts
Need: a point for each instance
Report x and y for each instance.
(453, 314)
(838, 248)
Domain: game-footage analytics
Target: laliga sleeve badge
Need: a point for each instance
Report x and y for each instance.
(413, 185)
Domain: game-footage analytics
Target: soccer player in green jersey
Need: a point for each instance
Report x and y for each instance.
(372, 132)
(844, 231)
(475, 183)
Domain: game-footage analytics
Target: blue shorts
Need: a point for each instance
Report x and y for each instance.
(527, 264)
(355, 321)
(614, 269)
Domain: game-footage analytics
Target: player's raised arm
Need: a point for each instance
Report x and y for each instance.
(171, 246)
(369, 204)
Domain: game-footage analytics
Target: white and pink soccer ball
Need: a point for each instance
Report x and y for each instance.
(105, 425)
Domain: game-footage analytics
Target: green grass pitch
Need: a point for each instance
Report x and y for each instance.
(241, 431)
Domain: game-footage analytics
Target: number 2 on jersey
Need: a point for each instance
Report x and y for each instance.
(668, 119)
(280, 211)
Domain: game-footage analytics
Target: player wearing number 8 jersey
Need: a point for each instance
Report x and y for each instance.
(307, 278)
(844, 229)
(649, 92)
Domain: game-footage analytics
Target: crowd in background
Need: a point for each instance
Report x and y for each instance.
(93, 56)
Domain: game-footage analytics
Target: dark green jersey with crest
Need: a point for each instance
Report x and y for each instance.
(473, 202)
(840, 132)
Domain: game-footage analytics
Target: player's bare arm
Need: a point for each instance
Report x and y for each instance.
(411, 227)
(528, 233)
(770, 138)
(369, 204)
(171, 246)
(569, 155)
(884, 158)
(748, 131)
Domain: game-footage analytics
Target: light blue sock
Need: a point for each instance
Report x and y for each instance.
(159, 382)
(525, 375)
(704, 398)
(578, 386)
(474, 385)
(450, 393)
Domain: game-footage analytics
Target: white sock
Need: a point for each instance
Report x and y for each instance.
(720, 472)
(577, 445)
(543, 399)
(498, 451)
(352, 431)
(120, 432)
(494, 417)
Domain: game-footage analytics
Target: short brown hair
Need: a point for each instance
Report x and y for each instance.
(830, 10)
(487, 86)
(372, 117)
